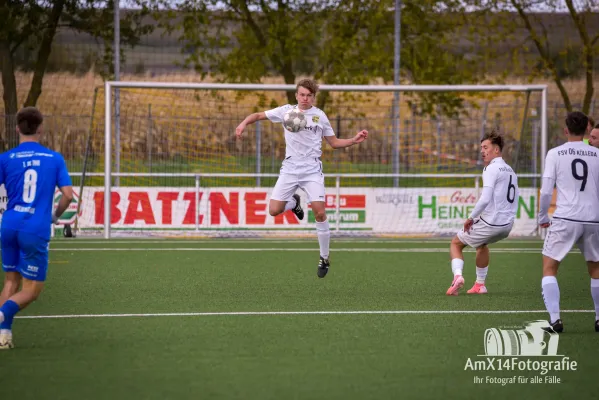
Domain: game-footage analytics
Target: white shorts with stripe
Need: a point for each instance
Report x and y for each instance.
(482, 233)
(563, 235)
(288, 184)
(305, 174)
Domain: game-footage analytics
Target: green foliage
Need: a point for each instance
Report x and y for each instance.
(29, 23)
(557, 62)
(337, 42)
(96, 18)
(568, 63)
(27, 34)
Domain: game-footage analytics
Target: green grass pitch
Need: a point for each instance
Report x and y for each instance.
(248, 319)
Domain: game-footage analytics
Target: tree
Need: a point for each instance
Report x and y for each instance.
(248, 40)
(339, 41)
(556, 61)
(34, 23)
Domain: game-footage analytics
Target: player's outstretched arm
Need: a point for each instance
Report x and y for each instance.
(337, 143)
(63, 203)
(250, 119)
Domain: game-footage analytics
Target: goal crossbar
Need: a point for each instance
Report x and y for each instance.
(324, 87)
(109, 85)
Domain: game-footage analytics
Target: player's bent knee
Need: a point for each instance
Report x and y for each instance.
(593, 267)
(33, 294)
(457, 242)
(11, 284)
(550, 266)
(320, 216)
(12, 278)
(274, 212)
(276, 207)
(33, 288)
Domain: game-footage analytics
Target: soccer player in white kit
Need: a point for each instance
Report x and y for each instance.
(491, 219)
(302, 167)
(573, 168)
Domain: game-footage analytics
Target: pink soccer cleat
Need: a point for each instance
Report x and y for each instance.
(478, 288)
(457, 284)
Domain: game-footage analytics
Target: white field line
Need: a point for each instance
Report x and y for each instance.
(252, 241)
(271, 313)
(337, 250)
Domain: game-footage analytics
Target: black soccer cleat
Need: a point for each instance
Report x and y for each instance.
(557, 326)
(323, 267)
(298, 210)
(597, 326)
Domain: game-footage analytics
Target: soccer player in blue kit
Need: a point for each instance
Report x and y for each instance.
(30, 173)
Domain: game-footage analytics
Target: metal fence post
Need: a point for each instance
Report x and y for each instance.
(258, 153)
(337, 202)
(535, 150)
(149, 140)
(197, 212)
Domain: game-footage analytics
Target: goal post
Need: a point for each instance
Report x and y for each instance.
(196, 178)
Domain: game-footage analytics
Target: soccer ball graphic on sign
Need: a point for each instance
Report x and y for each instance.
(294, 120)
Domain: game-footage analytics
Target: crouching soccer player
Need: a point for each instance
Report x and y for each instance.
(30, 173)
(492, 218)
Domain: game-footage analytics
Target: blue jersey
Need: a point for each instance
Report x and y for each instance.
(30, 173)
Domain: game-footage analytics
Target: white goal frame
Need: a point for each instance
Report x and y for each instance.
(108, 112)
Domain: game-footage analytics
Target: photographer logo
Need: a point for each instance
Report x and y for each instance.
(536, 339)
(531, 350)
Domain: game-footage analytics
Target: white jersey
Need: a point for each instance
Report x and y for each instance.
(501, 210)
(303, 148)
(574, 166)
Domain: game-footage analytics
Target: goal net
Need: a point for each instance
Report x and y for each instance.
(175, 166)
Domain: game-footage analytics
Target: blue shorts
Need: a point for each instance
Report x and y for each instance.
(24, 253)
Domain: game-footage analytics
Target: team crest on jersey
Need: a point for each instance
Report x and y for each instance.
(315, 119)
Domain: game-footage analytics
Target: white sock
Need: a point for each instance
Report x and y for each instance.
(551, 296)
(6, 332)
(290, 204)
(481, 274)
(324, 237)
(595, 294)
(457, 266)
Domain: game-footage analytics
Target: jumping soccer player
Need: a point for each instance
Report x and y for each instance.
(302, 167)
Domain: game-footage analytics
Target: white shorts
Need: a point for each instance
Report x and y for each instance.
(287, 185)
(562, 235)
(481, 234)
